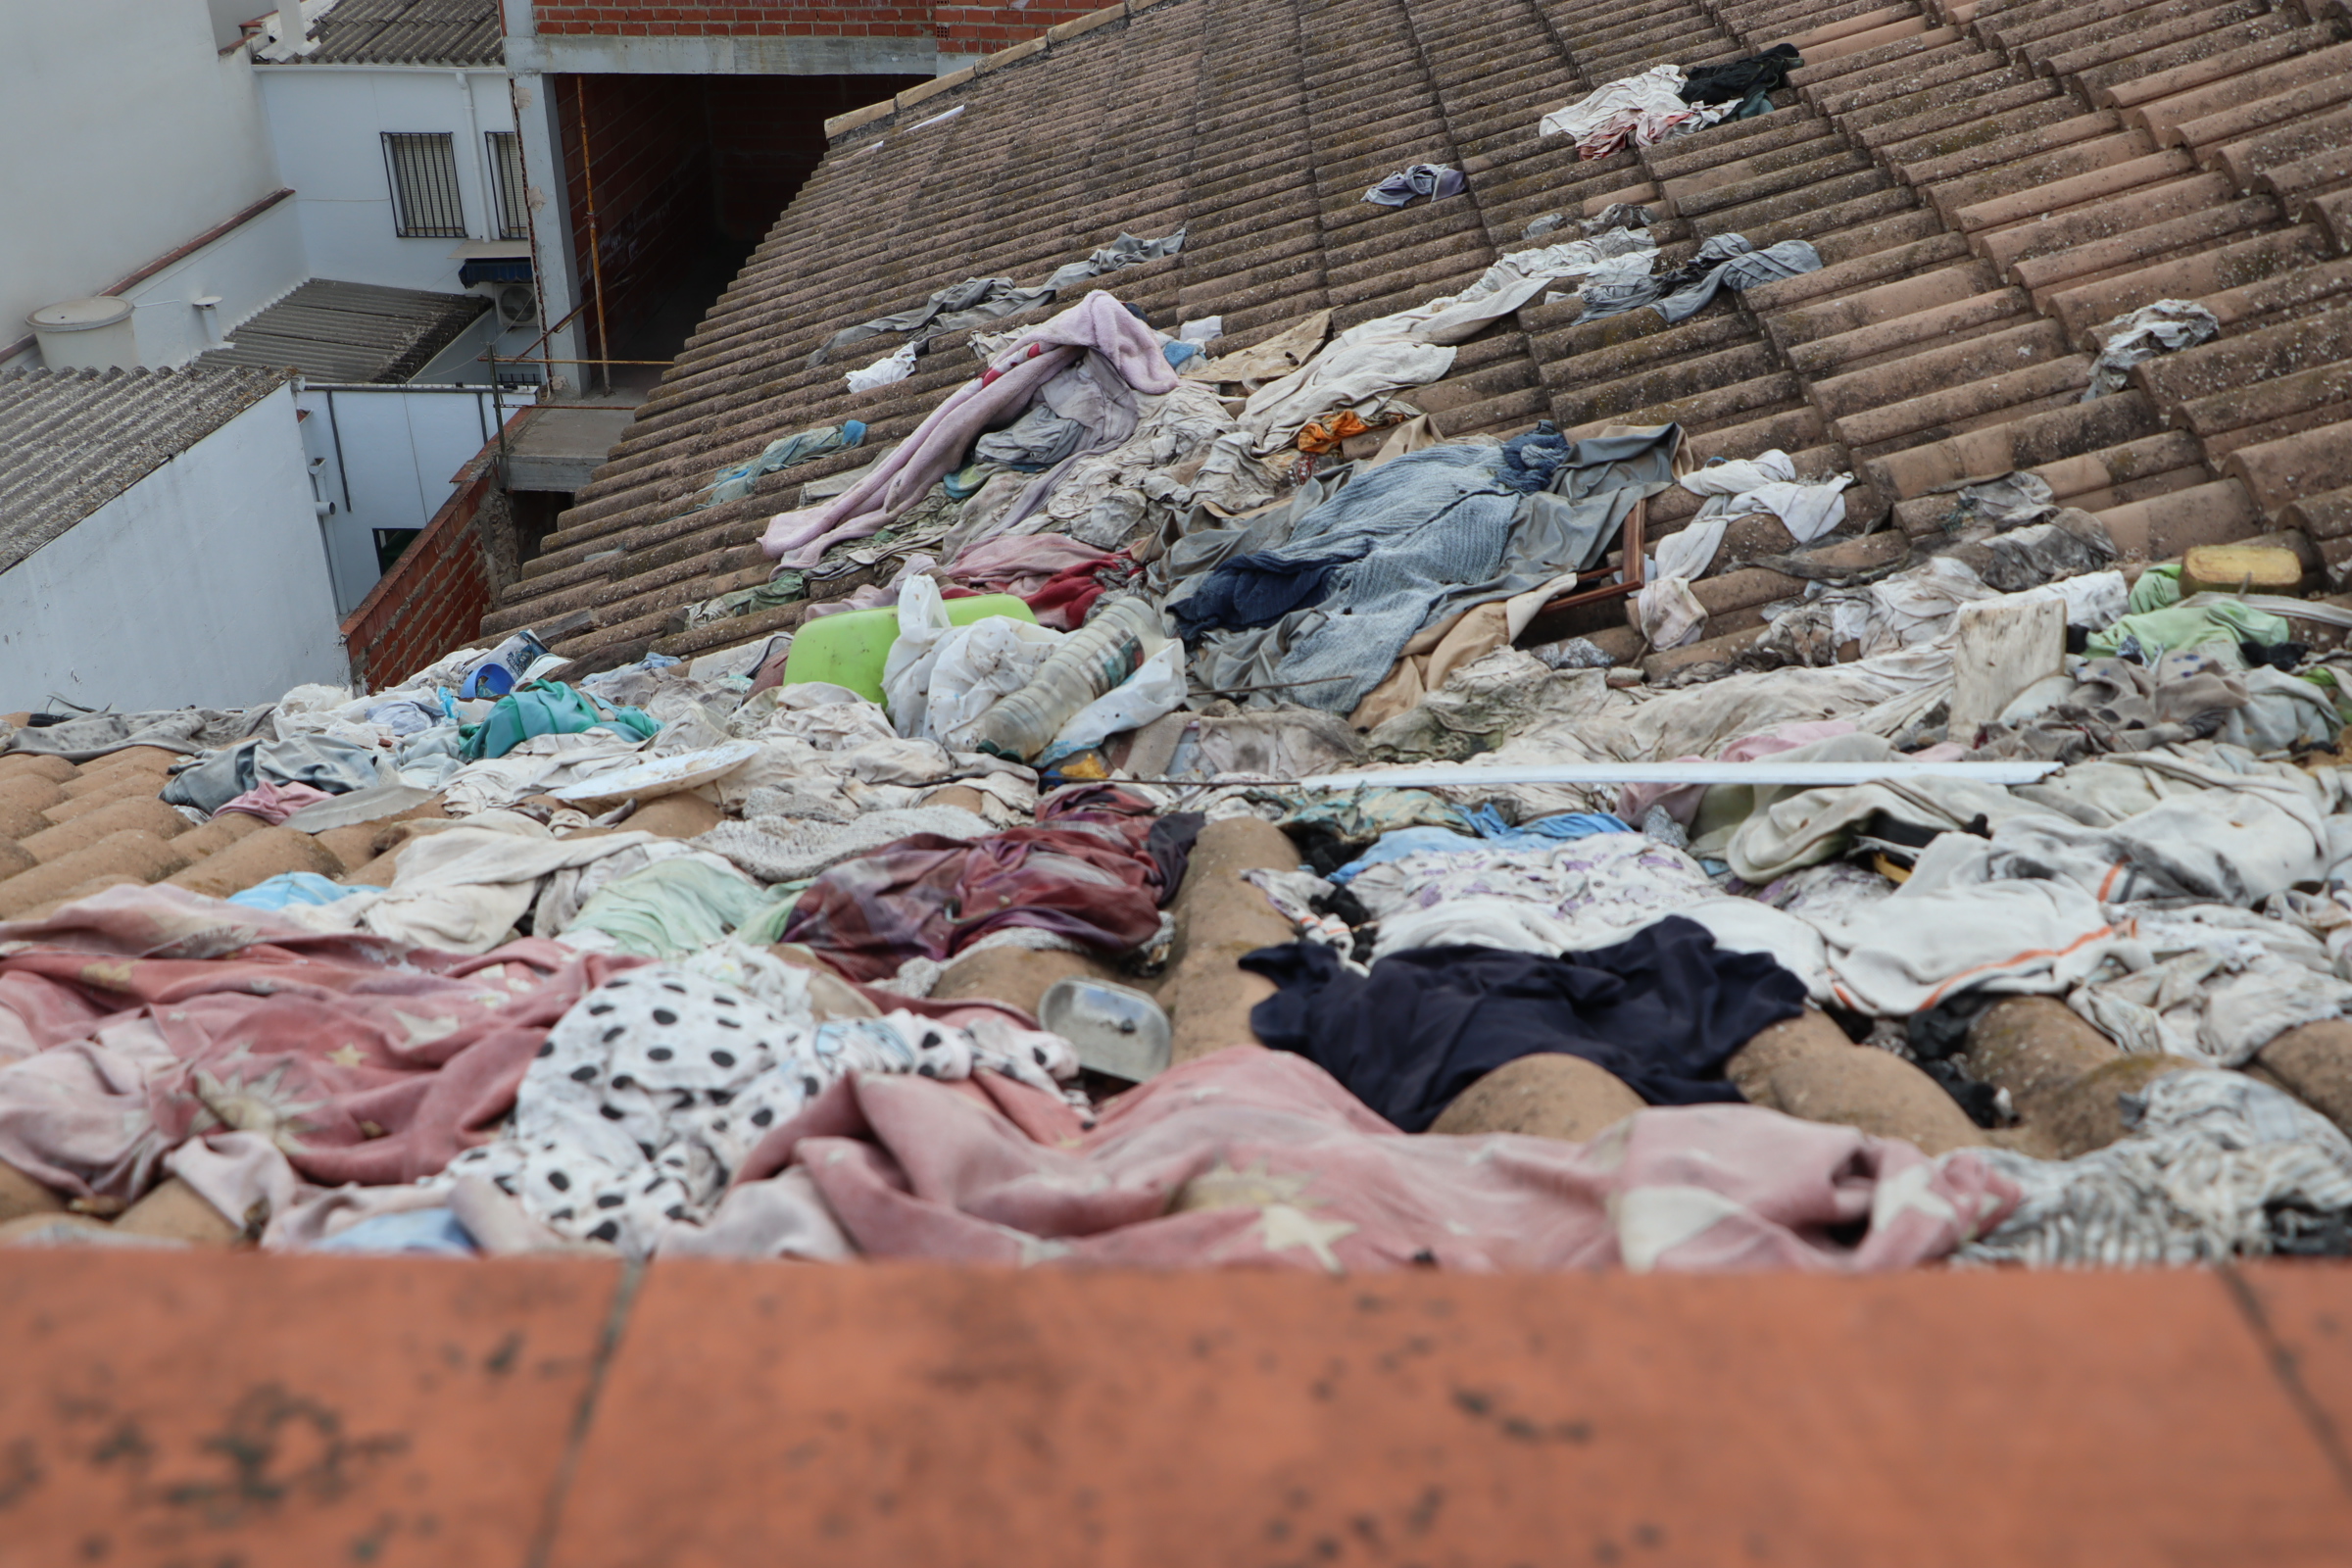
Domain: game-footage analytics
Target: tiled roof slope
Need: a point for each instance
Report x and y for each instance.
(72, 440)
(1986, 183)
(335, 331)
(407, 33)
(68, 831)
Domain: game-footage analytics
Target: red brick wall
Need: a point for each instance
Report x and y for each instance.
(433, 600)
(649, 160)
(984, 30)
(960, 29)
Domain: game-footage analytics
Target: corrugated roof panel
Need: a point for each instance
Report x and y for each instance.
(72, 440)
(408, 32)
(336, 331)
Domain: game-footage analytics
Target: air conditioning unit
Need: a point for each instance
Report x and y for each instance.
(517, 300)
(518, 303)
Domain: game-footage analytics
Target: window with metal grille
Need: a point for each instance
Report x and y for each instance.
(423, 167)
(506, 173)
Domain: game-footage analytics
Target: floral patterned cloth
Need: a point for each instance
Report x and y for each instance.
(1569, 895)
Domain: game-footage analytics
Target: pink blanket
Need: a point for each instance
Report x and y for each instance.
(1257, 1157)
(1022, 563)
(140, 1018)
(275, 802)
(938, 445)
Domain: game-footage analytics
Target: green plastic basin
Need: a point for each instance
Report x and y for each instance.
(851, 649)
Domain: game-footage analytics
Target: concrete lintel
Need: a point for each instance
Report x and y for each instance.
(563, 475)
(1063, 31)
(924, 91)
(843, 125)
(1012, 54)
(583, 54)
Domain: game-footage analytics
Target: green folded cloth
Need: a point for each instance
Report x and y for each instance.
(2161, 631)
(548, 708)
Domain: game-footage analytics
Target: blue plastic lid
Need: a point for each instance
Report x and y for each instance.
(490, 680)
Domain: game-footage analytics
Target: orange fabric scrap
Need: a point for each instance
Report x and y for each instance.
(1325, 435)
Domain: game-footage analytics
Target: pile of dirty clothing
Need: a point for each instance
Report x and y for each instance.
(1666, 101)
(1094, 457)
(1089, 447)
(1181, 808)
(1865, 953)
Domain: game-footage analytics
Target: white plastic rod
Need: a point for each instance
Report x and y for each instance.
(1804, 775)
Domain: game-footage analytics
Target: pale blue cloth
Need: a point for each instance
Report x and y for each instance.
(289, 888)
(735, 483)
(1385, 553)
(1554, 829)
(1402, 842)
(1492, 830)
(417, 1230)
(1413, 542)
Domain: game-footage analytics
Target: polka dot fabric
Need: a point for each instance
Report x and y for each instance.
(651, 1091)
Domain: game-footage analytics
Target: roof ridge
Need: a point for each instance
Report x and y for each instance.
(842, 124)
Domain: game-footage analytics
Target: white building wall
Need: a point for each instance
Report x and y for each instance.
(328, 123)
(555, 264)
(388, 458)
(253, 265)
(206, 583)
(126, 133)
(462, 362)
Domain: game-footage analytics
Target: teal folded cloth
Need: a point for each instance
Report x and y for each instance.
(549, 707)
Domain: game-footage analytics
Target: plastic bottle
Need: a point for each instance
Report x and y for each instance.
(1109, 648)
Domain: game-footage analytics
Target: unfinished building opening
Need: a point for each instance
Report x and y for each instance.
(534, 517)
(673, 179)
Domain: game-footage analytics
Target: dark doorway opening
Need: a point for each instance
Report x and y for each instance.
(536, 514)
(685, 176)
(390, 545)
